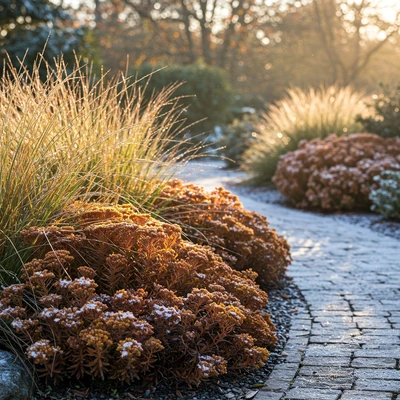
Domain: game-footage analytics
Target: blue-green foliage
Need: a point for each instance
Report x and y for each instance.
(237, 138)
(386, 197)
(206, 92)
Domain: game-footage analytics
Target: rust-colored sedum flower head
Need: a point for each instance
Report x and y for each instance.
(242, 238)
(133, 300)
(336, 173)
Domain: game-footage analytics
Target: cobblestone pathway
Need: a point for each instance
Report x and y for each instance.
(345, 343)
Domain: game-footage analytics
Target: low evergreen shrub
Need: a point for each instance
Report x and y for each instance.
(385, 120)
(217, 219)
(336, 173)
(385, 196)
(119, 295)
(237, 137)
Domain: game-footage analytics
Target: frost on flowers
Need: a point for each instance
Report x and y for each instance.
(136, 300)
(336, 173)
(242, 238)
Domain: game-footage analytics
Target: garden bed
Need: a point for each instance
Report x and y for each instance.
(233, 181)
(283, 303)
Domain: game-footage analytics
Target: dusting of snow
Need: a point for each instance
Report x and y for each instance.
(91, 305)
(140, 325)
(40, 349)
(84, 282)
(40, 274)
(49, 312)
(205, 358)
(17, 324)
(205, 365)
(165, 312)
(64, 283)
(6, 312)
(120, 316)
(129, 345)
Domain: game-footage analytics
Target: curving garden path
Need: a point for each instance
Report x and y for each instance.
(346, 343)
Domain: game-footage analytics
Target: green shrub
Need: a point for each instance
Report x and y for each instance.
(385, 196)
(386, 119)
(72, 137)
(118, 295)
(237, 137)
(206, 92)
(301, 115)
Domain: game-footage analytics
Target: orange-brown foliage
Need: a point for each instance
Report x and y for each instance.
(242, 238)
(336, 173)
(119, 295)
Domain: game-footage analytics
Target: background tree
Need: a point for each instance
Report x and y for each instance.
(214, 32)
(263, 46)
(327, 41)
(29, 27)
(352, 32)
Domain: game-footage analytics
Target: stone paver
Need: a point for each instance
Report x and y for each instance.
(350, 279)
(364, 395)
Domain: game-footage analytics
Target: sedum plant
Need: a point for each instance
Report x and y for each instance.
(119, 295)
(301, 115)
(217, 219)
(336, 173)
(385, 197)
(77, 136)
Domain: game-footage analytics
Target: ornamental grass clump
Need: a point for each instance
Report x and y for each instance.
(119, 295)
(301, 115)
(336, 173)
(77, 136)
(217, 219)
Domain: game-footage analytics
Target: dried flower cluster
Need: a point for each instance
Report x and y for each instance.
(242, 238)
(119, 295)
(336, 173)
